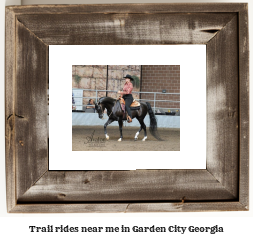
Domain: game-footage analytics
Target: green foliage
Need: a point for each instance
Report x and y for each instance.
(136, 81)
(77, 79)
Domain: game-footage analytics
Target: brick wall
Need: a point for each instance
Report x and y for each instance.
(155, 78)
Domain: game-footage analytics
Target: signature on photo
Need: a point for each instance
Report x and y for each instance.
(95, 142)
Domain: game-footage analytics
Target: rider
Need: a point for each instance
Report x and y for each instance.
(127, 95)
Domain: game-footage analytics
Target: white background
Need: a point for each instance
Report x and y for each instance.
(192, 61)
(235, 223)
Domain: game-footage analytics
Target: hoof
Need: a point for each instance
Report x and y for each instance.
(120, 139)
(135, 139)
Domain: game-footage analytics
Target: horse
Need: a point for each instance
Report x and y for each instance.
(115, 113)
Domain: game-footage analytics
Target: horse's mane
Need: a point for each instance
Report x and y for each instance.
(106, 100)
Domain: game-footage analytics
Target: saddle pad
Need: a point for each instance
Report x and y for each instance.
(135, 108)
(123, 107)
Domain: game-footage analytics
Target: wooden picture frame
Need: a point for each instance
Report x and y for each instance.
(222, 186)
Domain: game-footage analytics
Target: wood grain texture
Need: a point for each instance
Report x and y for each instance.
(186, 207)
(155, 8)
(9, 109)
(30, 108)
(244, 106)
(222, 107)
(140, 185)
(129, 207)
(122, 29)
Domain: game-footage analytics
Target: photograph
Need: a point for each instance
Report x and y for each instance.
(148, 107)
(137, 105)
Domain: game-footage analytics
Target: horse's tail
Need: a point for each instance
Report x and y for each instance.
(153, 123)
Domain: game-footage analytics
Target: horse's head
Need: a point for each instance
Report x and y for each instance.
(99, 108)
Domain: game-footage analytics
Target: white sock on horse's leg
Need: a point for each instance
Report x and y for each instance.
(136, 135)
(145, 137)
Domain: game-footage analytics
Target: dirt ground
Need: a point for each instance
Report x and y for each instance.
(92, 138)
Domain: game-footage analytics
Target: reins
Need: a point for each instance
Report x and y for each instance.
(110, 114)
(112, 108)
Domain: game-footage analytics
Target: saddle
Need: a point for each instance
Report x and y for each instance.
(134, 106)
(134, 103)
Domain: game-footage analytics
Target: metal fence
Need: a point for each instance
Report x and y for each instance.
(142, 99)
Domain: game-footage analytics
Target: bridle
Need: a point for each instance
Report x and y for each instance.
(110, 114)
(111, 111)
(112, 108)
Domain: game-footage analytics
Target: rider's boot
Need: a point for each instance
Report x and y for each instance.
(129, 119)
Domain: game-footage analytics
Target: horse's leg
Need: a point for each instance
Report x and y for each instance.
(145, 110)
(138, 132)
(145, 131)
(143, 126)
(120, 129)
(105, 125)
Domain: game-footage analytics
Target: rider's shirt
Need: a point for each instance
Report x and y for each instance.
(128, 87)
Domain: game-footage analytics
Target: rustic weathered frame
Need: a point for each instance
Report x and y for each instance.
(223, 186)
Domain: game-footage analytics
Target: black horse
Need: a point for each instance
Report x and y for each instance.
(115, 113)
